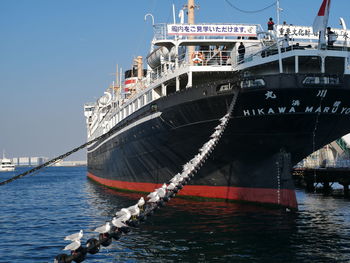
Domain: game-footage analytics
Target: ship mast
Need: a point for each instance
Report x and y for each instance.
(278, 9)
(190, 17)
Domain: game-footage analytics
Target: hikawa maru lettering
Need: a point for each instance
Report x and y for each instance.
(308, 109)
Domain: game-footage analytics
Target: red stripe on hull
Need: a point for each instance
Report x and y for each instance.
(258, 195)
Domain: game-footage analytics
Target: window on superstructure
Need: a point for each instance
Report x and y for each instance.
(309, 64)
(335, 65)
(149, 96)
(142, 100)
(252, 83)
(325, 80)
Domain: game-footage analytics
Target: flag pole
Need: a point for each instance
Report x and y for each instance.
(321, 22)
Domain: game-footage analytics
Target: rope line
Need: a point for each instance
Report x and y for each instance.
(136, 214)
(56, 159)
(249, 11)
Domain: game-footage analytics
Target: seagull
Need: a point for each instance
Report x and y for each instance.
(104, 228)
(73, 246)
(163, 187)
(75, 236)
(154, 199)
(134, 210)
(171, 186)
(125, 216)
(141, 202)
(161, 191)
(152, 194)
(122, 212)
(117, 222)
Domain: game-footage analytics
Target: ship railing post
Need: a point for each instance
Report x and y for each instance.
(279, 54)
(163, 89)
(189, 82)
(178, 83)
(176, 55)
(296, 64)
(323, 66)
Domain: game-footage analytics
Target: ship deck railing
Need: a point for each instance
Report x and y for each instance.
(228, 60)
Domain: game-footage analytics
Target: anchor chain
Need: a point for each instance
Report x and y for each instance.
(158, 198)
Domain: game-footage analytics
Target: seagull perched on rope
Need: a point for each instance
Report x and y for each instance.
(171, 186)
(117, 222)
(76, 240)
(75, 236)
(134, 211)
(161, 191)
(141, 202)
(104, 228)
(154, 199)
(122, 212)
(152, 194)
(123, 215)
(73, 246)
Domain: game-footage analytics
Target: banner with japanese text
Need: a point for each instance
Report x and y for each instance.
(212, 29)
(305, 32)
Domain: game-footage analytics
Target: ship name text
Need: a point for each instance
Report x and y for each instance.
(286, 110)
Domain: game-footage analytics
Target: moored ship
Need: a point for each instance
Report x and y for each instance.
(6, 165)
(291, 88)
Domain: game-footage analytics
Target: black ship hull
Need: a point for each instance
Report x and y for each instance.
(272, 128)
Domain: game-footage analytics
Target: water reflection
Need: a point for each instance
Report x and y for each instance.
(37, 212)
(196, 231)
(190, 230)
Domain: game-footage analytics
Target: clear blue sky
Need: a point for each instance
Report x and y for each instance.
(55, 55)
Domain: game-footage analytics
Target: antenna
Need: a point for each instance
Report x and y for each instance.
(146, 15)
(182, 16)
(278, 9)
(174, 18)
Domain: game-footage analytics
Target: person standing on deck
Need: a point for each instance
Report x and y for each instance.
(270, 25)
(241, 53)
(285, 42)
(332, 37)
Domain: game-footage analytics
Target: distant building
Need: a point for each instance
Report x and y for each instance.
(29, 161)
(35, 161)
(70, 163)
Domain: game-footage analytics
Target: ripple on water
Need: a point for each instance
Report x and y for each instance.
(36, 213)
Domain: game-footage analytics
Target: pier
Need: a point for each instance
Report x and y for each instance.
(309, 178)
(328, 166)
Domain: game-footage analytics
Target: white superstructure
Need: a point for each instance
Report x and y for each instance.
(181, 53)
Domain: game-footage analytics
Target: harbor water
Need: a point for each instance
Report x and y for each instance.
(37, 212)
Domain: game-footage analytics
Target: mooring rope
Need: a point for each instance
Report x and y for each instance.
(138, 213)
(56, 159)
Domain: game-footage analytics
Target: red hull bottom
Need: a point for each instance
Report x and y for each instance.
(283, 197)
